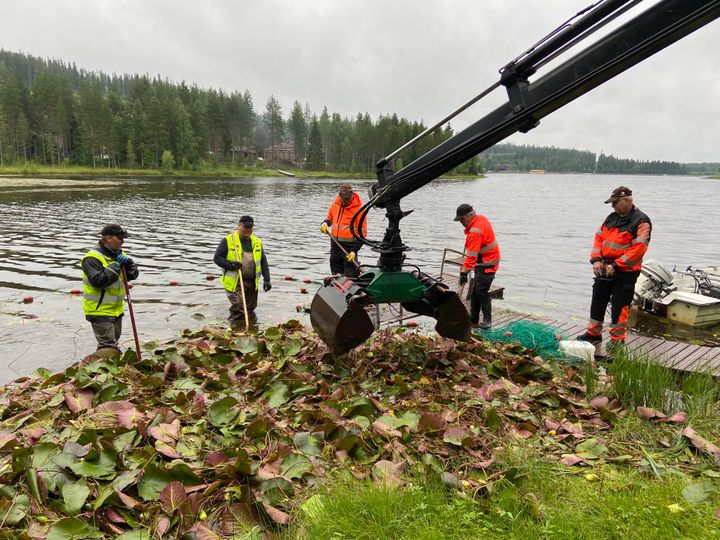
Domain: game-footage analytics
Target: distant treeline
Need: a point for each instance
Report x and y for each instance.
(53, 113)
(510, 157)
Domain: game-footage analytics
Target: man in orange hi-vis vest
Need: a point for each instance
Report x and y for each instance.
(616, 259)
(482, 255)
(343, 245)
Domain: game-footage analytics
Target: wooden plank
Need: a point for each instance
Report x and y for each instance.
(694, 361)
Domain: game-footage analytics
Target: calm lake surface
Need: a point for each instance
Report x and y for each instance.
(544, 223)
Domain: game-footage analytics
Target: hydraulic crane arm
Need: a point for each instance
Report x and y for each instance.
(338, 311)
(649, 32)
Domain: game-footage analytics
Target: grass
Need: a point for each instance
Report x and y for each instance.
(543, 501)
(638, 380)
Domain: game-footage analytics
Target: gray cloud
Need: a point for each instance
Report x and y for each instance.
(417, 58)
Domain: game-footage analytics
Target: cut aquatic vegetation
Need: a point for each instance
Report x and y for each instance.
(220, 434)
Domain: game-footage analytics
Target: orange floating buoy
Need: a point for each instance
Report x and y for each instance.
(558, 337)
(307, 280)
(210, 277)
(75, 291)
(411, 323)
(27, 299)
(507, 333)
(303, 290)
(173, 283)
(289, 278)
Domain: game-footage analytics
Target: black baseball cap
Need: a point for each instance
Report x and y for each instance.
(247, 220)
(462, 211)
(112, 229)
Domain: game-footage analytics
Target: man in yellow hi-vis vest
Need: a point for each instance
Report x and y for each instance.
(103, 286)
(241, 256)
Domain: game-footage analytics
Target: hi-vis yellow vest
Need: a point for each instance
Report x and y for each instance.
(109, 301)
(230, 277)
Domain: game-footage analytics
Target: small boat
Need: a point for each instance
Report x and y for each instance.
(690, 297)
(285, 173)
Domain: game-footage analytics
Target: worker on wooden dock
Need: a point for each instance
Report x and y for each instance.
(616, 259)
(482, 256)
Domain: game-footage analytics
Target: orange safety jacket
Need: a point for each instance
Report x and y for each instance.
(623, 241)
(339, 217)
(481, 247)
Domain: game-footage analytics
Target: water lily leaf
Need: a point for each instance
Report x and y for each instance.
(277, 515)
(276, 490)
(698, 492)
(277, 394)
(223, 412)
(295, 466)
(590, 449)
(455, 435)
(309, 443)
(406, 418)
(293, 347)
(14, 511)
(172, 496)
(272, 333)
(136, 534)
(72, 529)
(167, 450)
(79, 400)
(152, 483)
(360, 407)
(246, 345)
(167, 433)
(75, 495)
(431, 422)
(102, 466)
(182, 472)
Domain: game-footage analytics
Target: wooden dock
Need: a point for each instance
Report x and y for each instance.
(674, 354)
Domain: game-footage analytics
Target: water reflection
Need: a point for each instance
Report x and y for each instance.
(544, 223)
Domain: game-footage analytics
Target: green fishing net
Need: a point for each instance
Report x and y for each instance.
(539, 337)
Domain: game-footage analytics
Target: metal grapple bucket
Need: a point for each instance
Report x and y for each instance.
(341, 323)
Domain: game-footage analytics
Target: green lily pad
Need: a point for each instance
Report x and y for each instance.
(309, 443)
(75, 495)
(295, 466)
(73, 529)
(223, 412)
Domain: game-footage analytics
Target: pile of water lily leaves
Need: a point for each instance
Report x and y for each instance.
(217, 429)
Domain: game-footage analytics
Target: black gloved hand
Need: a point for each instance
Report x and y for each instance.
(236, 265)
(266, 286)
(463, 278)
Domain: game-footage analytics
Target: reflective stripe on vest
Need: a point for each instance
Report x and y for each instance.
(230, 278)
(108, 301)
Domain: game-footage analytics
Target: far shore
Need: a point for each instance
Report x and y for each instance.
(61, 172)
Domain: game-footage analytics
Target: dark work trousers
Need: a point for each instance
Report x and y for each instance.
(618, 290)
(107, 330)
(480, 297)
(237, 311)
(338, 260)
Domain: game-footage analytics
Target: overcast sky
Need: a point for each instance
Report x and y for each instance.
(420, 59)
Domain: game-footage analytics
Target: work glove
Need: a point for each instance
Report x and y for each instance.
(350, 257)
(324, 228)
(123, 260)
(463, 278)
(236, 265)
(266, 286)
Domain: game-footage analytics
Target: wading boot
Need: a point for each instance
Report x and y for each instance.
(595, 340)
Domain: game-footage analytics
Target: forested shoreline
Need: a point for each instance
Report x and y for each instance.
(53, 114)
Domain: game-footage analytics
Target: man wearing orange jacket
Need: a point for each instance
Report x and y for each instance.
(343, 246)
(482, 255)
(616, 259)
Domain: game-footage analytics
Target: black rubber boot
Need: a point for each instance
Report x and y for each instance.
(589, 338)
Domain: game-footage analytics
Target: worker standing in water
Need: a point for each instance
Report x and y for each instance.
(242, 257)
(343, 245)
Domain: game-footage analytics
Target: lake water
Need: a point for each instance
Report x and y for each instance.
(544, 223)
